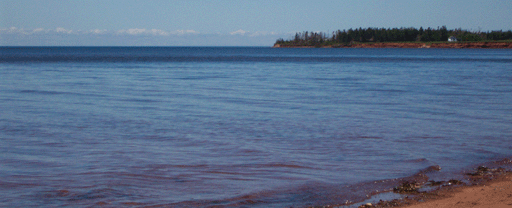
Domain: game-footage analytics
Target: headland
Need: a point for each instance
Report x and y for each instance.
(489, 44)
(409, 37)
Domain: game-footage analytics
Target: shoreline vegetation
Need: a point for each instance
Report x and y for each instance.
(399, 38)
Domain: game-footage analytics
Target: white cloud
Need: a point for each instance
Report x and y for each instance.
(183, 32)
(262, 33)
(253, 34)
(131, 31)
(156, 32)
(159, 32)
(98, 31)
(11, 30)
(135, 31)
(62, 30)
(134, 37)
(15, 30)
(238, 32)
(38, 30)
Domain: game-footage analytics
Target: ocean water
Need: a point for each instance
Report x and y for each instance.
(242, 127)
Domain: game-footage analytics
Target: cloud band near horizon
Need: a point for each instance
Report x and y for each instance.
(60, 36)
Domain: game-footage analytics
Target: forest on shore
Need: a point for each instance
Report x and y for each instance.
(379, 35)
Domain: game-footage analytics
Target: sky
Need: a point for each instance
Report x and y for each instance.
(227, 22)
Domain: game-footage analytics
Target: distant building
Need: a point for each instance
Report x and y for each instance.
(452, 39)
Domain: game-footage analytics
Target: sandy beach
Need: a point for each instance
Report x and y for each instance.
(486, 191)
(497, 193)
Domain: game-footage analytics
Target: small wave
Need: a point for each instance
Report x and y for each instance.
(43, 92)
(93, 195)
(12, 185)
(282, 165)
(140, 100)
(223, 172)
(420, 160)
(47, 92)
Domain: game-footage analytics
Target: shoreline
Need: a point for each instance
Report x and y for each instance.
(482, 187)
(490, 45)
(495, 192)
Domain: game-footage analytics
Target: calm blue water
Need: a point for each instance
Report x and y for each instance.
(258, 127)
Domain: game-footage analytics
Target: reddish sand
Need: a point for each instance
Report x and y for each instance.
(494, 194)
(413, 45)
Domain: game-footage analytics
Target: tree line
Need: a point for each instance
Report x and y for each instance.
(402, 34)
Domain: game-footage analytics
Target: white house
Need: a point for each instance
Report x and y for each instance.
(452, 39)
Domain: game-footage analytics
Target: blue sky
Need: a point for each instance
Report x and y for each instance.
(228, 22)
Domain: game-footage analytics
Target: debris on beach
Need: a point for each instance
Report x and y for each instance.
(435, 183)
(455, 182)
(367, 205)
(407, 188)
(413, 192)
(505, 161)
(392, 203)
(484, 171)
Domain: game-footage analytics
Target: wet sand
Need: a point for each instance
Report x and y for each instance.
(494, 194)
(492, 190)
(497, 193)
